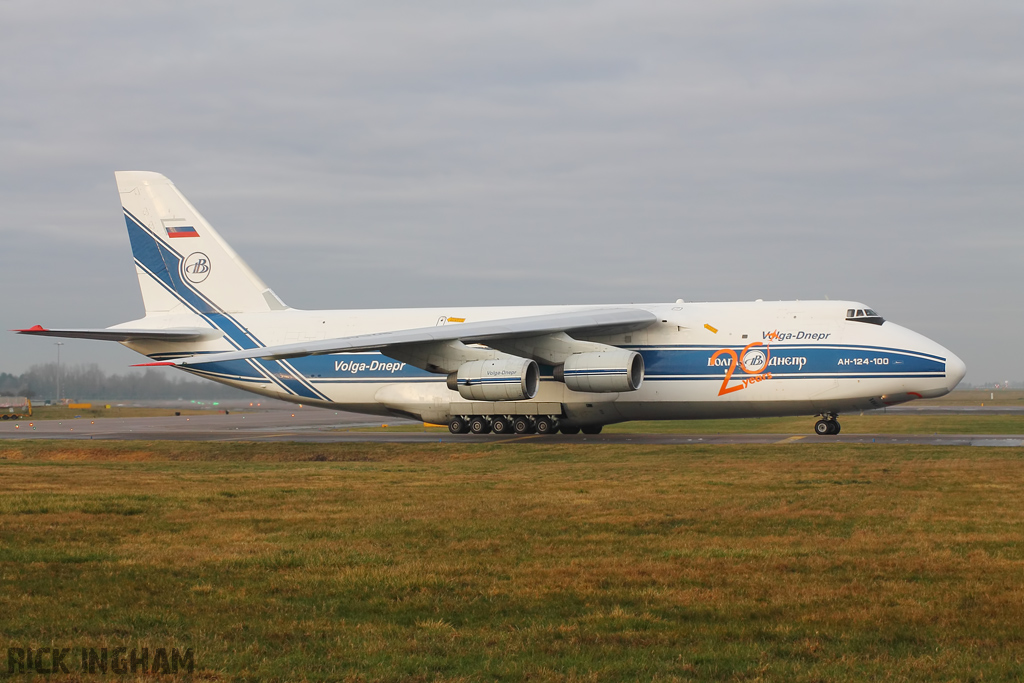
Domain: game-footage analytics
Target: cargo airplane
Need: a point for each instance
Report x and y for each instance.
(538, 369)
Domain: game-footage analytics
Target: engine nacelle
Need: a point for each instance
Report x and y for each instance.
(507, 379)
(602, 371)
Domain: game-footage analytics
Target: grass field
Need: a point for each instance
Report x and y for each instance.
(527, 561)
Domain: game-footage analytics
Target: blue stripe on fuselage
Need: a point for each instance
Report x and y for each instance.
(676, 364)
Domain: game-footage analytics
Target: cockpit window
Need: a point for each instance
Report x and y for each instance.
(864, 315)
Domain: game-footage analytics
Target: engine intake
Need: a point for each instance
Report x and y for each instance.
(602, 371)
(511, 379)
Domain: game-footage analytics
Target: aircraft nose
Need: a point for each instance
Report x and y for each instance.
(955, 371)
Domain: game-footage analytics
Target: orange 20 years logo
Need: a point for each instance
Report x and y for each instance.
(752, 361)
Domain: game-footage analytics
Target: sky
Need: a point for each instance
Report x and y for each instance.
(393, 154)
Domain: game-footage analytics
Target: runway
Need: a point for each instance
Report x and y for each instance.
(313, 425)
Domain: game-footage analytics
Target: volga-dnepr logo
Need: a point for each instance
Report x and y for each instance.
(196, 267)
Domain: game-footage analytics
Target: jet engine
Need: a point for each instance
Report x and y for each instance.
(602, 371)
(506, 379)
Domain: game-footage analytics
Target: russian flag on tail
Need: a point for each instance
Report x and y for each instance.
(185, 231)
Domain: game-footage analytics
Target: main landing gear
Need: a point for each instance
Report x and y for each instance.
(828, 425)
(517, 424)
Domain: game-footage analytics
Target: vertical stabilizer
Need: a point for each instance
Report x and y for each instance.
(182, 263)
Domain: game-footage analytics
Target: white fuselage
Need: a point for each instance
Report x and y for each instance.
(703, 360)
(571, 367)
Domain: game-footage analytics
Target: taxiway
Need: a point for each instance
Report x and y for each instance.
(325, 426)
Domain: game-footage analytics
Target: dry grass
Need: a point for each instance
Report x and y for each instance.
(392, 562)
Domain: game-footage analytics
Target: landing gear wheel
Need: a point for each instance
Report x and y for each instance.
(522, 425)
(822, 428)
(592, 429)
(545, 425)
(835, 427)
(479, 425)
(457, 425)
(500, 425)
(565, 429)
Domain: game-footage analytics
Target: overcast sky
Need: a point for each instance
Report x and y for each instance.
(394, 154)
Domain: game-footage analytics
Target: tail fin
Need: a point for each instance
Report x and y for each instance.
(180, 259)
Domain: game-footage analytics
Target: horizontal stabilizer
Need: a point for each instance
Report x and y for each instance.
(587, 322)
(124, 334)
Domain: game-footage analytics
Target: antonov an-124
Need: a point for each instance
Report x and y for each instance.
(538, 369)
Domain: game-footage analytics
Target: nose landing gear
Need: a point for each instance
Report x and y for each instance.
(828, 425)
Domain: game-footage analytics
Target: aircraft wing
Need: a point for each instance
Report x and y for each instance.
(587, 322)
(124, 334)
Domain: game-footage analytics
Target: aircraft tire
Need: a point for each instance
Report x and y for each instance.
(479, 425)
(500, 425)
(835, 427)
(822, 428)
(565, 429)
(522, 425)
(456, 425)
(592, 429)
(545, 425)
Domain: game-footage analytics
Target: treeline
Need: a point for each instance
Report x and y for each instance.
(89, 382)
